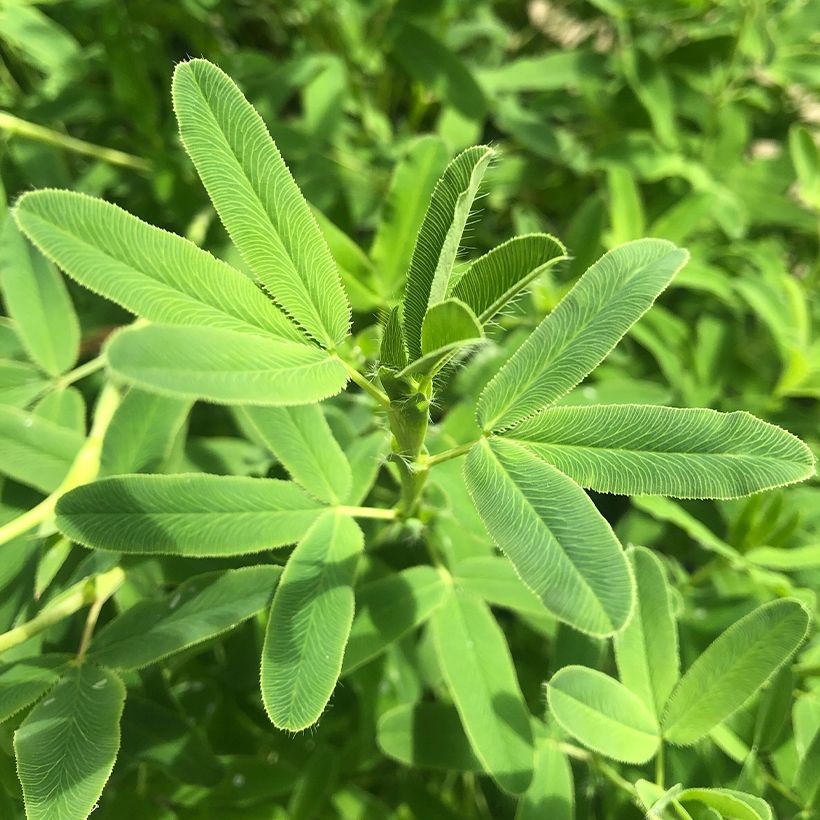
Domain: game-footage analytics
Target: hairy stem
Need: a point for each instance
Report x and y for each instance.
(85, 369)
(367, 512)
(365, 384)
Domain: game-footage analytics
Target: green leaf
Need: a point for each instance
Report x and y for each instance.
(37, 299)
(65, 407)
(198, 609)
(428, 279)
(224, 366)
(496, 278)
(67, 745)
(479, 672)
(388, 609)
(560, 545)
(603, 714)
(393, 353)
(366, 456)
(680, 452)
(36, 452)
(141, 433)
(25, 681)
(733, 668)
(258, 201)
(301, 440)
(807, 777)
(646, 649)
(729, 803)
(427, 736)
(495, 580)
(588, 322)
(787, 560)
(196, 514)
(626, 216)
(155, 274)
(551, 793)
(411, 187)
(310, 623)
(20, 382)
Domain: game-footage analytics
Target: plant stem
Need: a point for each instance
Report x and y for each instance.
(81, 372)
(15, 127)
(455, 452)
(85, 467)
(367, 512)
(98, 587)
(660, 769)
(365, 384)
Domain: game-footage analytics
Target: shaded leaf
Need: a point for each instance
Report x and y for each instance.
(24, 681)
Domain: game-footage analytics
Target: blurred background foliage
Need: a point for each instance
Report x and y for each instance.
(691, 120)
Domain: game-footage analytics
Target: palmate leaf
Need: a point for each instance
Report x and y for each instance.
(569, 343)
(310, 623)
(388, 609)
(475, 661)
(200, 608)
(67, 745)
(196, 514)
(560, 545)
(154, 274)
(37, 299)
(35, 451)
(679, 452)
(410, 190)
(603, 714)
(732, 669)
(258, 201)
(646, 649)
(224, 366)
(302, 441)
(497, 277)
(439, 238)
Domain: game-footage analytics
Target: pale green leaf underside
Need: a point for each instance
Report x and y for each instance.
(439, 238)
(67, 745)
(560, 545)
(388, 609)
(603, 714)
(733, 668)
(37, 299)
(495, 278)
(200, 608)
(475, 661)
(35, 451)
(427, 736)
(310, 623)
(224, 366)
(195, 514)
(646, 649)
(155, 274)
(24, 681)
(651, 450)
(569, 343)
(258, 201)
(302, 441)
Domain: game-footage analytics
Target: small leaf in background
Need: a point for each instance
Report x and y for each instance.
(646, 649)
(310, 622)
(155, 274)
(302, 441)
(196, 515)
(732, 669)
(67, 744)
(258, 201)
(37, 299)
(427, 735)
(388, 609)
(607, 300)
(626, 217)
(496, 278)
(679, 452)
(224, 366)
(439, 239)
(411, 186)
(603, 714)
(728, 803)
(480, 676)
(198, 609)
(531, 510)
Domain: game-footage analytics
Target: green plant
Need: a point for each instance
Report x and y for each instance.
(271, 342)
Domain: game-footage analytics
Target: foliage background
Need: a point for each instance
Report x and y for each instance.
(692, 121)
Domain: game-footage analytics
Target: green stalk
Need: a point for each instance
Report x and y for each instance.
(84, 469)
